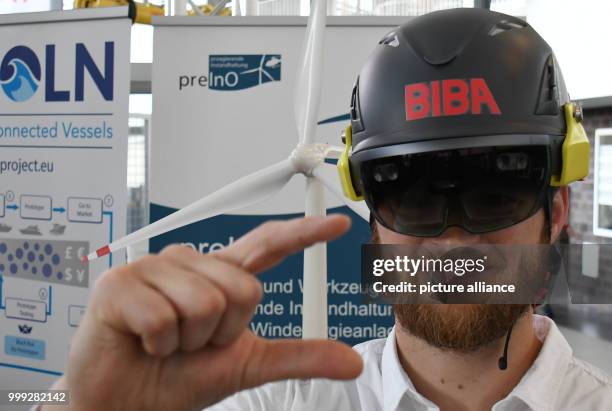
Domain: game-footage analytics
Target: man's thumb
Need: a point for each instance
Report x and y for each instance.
(301, 359)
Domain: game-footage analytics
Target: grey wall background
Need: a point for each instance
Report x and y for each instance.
(594, 320)
(581, 211)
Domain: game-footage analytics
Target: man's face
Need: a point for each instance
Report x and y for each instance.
(465, 328)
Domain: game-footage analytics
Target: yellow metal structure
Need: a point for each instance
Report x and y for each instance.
(144, 11)
(207, 8)
(575, 151)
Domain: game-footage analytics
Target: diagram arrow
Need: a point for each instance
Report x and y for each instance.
(50, 301)
(59, 209)
(12, 207)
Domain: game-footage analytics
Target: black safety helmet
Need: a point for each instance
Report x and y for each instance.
(459, 79)
(511, 59)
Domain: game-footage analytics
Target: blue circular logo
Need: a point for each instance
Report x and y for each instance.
(20, 73)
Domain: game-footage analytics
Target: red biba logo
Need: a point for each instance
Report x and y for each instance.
(452, 97)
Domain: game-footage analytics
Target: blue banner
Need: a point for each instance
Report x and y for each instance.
(279, 314)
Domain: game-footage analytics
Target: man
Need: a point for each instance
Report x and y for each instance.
(456, 131)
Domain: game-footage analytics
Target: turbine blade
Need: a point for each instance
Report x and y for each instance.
(247, 190)
(308, 86)
(265, 73)
(328, 175)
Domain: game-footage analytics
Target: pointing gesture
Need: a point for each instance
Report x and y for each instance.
(170, 332)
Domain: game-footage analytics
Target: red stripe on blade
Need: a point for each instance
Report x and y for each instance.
(100, 252)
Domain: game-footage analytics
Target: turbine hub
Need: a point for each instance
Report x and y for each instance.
(306, 157)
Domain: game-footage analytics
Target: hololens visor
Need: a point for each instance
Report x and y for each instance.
(480, 189)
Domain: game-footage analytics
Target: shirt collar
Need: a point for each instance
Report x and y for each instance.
(538, 387)
(395, 381)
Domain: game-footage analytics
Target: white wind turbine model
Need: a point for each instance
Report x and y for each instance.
(308, 158)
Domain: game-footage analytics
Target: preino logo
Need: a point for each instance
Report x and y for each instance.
(236, 72)
(20, 73)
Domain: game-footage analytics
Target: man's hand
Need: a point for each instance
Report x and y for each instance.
(170, 332)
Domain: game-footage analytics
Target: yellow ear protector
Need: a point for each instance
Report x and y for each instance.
(344, 169)
(575, 153)
(575, 150)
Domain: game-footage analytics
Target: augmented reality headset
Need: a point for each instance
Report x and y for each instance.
(481, 183)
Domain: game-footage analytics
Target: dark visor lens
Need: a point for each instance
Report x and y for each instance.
(480, 189)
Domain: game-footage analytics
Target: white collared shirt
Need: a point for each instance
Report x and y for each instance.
(556, 381)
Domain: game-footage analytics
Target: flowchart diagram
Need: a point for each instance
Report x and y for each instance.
(37, 255)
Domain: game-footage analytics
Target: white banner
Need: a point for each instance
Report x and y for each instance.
(223, 107)
(64, 85)
(27, 6)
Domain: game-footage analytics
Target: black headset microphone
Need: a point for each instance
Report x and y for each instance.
(502, 363)
(555, 261)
